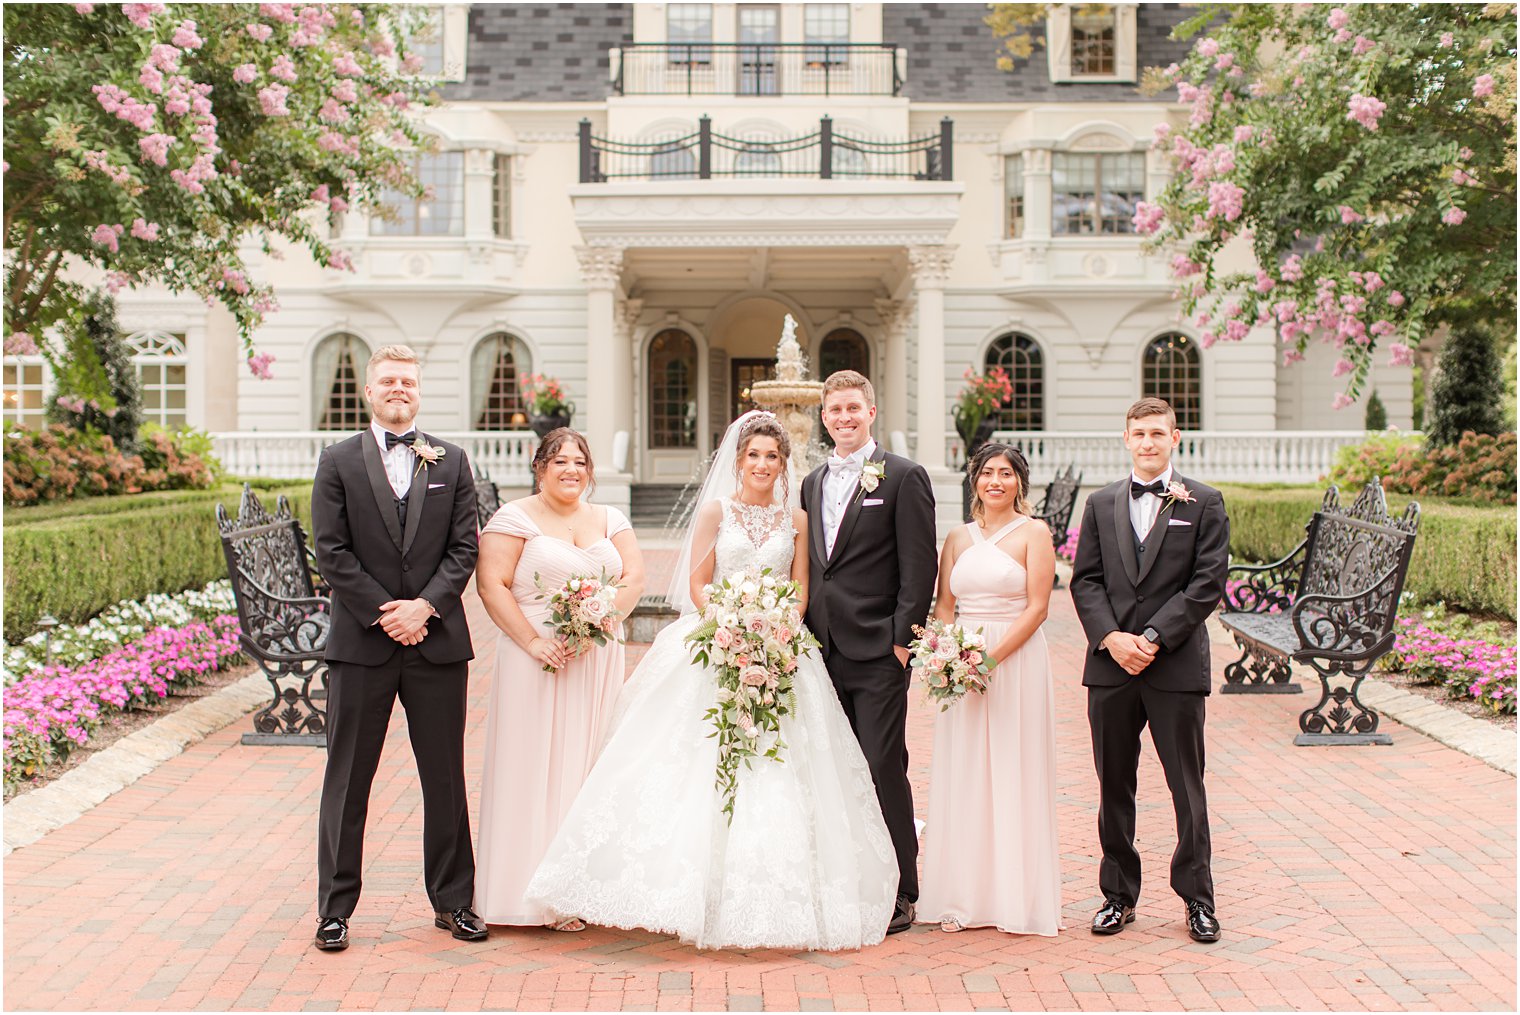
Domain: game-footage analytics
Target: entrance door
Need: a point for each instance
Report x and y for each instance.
(759, 32)
(743, 373)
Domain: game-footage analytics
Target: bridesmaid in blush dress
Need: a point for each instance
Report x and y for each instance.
(992, 857)
(544, 730)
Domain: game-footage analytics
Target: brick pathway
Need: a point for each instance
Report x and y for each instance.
(1350, 878)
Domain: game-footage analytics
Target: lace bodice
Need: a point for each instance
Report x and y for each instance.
(753, 537)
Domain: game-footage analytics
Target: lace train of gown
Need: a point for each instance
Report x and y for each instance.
(807, 862)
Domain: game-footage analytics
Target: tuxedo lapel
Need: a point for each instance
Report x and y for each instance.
(815, 516)
(380, 486)
(1124, 532)
(414, 498)
(852, 509)
(1157, 535)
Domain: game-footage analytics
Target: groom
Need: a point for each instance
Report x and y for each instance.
(1149, 569)
(393, 516)
(872, 565)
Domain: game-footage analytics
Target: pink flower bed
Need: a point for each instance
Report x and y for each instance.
(53, 710)
(1468, 667)
(1068, 549)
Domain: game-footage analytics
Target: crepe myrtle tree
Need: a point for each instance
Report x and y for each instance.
(1365, 153)
(152, 142)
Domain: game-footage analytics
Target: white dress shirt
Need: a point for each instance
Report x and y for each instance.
(1144, 509)
(839, 485)
(400, 462)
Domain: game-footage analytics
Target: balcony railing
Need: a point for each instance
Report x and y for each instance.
(505, 456)
(719, 68)
(823, 154)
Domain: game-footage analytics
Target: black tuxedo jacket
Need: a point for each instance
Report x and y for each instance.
(367, 559)
(880, 580)
(1173, 586)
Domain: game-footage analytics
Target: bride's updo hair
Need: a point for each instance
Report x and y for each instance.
(1015, 458)
(766, 425)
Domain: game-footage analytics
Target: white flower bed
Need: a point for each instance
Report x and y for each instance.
(119, 625)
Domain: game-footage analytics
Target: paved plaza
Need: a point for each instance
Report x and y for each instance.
(1373, 878)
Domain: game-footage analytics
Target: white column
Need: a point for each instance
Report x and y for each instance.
(630, 417)
(895, 317)
(1037, 193)
(931, 267)
(601, 268)
(479, 179)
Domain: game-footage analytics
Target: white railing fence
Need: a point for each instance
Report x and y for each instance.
(292, 454)
(1212, 456)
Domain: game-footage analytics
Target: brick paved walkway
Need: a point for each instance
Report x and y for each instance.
(1351, 878)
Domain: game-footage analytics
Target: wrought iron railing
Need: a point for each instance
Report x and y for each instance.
(719, 68)
(824, 154)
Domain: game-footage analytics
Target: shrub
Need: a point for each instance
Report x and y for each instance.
(1356, 464)
(184, 457)
(95, 380)
(1377, 414)
(61, 462)
(75, 565)
(1467, 393)
(1479, 467)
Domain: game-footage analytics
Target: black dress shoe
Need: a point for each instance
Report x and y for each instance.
(1112, 917)
(902, 916)
(462, 923)
(332, 933)
(1201, 923)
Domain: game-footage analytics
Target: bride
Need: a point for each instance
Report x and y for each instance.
(806, 862)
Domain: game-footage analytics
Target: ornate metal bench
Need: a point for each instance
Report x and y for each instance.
(487, 499)
(282, 616)
(1060, 501)
(1330, 604)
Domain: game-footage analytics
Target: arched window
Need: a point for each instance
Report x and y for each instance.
(757, 160)
(849, 160)
(672, 161)
(672, 390)
(338, 367)
(844, 349)
(160, 361)
(1173, 369)
(1021, 359)
(496, 400)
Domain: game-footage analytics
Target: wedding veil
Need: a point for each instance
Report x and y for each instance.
(720, 482)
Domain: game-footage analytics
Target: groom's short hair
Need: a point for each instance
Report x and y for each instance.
(1148, 407)
(394, 354)
(842, 380)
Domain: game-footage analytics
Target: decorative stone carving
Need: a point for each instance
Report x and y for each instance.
(601, 267)
(931, 264)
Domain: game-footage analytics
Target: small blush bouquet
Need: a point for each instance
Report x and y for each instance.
(750, 633)
(581, 612)
(951, 660)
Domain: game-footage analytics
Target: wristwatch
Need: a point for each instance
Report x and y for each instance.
(1151, 635)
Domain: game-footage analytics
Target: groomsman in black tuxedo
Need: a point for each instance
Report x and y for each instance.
(1150, 568)
(871, 554)
(393, 520)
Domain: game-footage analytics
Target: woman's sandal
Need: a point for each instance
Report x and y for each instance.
(570, 925)
(951, 926)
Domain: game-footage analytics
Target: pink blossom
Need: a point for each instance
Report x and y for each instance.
(1446, 40)
(20, 343)
(1344, 35)
(1349, 215)
(245, 74)
(341, 260)
(1372, 281)
(1464, 153)
(397, 99)
(84, 8)
(116, 281)
(260, 33)
(1341, 401)
(1292, 269)
(272, 100)
(144, 230)
(346, 66)
(1225, 62)
(1483, 85)
(113, 100)
(1400, 355)
(381, 46)
(284, 68)
(1365, 110)
(1236, 330)
(280, 12)
(106, 236)
(119, 175)
(1244, 132)
(1292, 356)
(338, 204)
(1454, 216)
(1207, 47)
(333, 111)
(1226, 200)
(200, 170)
(1381, 328)
(1363, 45)
(1285, 310)
(1338, 18)
(321, 193)
(185, 37)
(1147, 217)
(141, 15)
(1264, 281)
(1182, 267)
(411, 63)
(155, 148)
(234, 280)
(344, 91)
(151, 78)
(1207, 339)
(1395, 298)
(259, 365)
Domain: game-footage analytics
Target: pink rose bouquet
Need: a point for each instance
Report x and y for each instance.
(750, 633)
(950, 660)
(582, 611)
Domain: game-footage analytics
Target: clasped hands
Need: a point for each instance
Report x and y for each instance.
(1131, 651)
(405, 620)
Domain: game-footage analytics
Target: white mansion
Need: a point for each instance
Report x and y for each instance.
(630, 197)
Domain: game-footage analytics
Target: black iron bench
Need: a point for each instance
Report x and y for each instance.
(487, 499)
(1056, 507)
(283, 617)
(1330, 604)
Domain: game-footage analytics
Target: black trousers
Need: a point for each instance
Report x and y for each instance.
(359, 703)
(1116, 716)
(874, 694)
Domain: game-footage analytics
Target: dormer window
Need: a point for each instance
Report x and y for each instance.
(1092, 44)
(826, 27)
(688, 33)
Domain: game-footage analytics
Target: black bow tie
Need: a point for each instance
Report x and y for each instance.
(391, 440)
(1138, 490)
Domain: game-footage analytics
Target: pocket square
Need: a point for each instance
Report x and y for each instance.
(872, 502)
(1178, 521)
(440, 486)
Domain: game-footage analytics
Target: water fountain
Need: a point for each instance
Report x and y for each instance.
(795, 400)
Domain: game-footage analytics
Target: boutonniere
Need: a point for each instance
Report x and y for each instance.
(426, 454)
(871, 475)
(1176, 493)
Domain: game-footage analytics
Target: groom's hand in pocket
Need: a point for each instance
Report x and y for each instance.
(901, 654)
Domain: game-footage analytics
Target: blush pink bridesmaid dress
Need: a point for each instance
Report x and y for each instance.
(991, 852)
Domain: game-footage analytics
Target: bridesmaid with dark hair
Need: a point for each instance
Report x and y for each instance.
(544, 729)
(991, 855)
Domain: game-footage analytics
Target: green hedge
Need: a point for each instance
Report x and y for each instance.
(74, 559)
(1464, 555)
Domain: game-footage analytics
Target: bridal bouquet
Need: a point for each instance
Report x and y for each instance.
(750, 634)
(951, 660)
(581, 612)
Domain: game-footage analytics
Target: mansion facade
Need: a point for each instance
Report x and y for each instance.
(631, 197)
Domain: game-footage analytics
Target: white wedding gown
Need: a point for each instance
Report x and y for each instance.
(807, 862)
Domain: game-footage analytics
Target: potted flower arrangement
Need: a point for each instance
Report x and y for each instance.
(974, 411)
(547, 407)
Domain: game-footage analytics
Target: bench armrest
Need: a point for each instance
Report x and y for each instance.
(290, 630)
(1268, 588)
(1353, 627)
